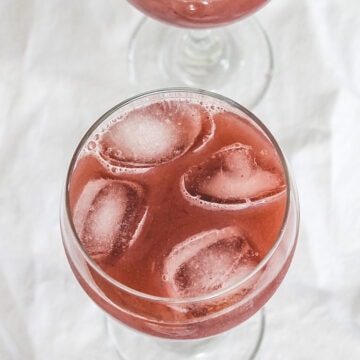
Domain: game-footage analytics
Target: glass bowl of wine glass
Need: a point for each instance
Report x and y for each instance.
(209, 44)
(180, 219)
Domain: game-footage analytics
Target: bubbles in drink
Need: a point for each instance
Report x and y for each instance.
(108, 216)
(154, 134)
(232, 178)
(209, 261)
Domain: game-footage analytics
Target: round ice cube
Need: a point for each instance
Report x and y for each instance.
(108, 215)
(209, 261)
(153, 134)
(231, 179)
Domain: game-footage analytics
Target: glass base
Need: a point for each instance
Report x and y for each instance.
(239, 343)
(235, 61)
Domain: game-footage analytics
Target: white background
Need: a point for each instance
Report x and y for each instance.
(64, 63)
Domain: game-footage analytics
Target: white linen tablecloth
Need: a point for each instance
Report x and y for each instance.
(64, 63)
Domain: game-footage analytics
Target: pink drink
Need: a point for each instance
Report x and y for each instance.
(177, 200)
(198, 13)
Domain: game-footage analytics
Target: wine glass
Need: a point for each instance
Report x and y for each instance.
(205, 46)
(180, 219)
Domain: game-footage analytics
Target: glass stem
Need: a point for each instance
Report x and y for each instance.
(202, 52)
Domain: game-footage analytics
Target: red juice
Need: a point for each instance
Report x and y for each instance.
(177, 201)
(198, 13)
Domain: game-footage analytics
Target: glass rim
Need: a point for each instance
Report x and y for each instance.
(178, 300)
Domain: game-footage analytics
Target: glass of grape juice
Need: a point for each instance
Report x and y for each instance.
(209, 44)
(180, 219)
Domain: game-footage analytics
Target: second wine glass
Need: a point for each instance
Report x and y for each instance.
(201, 43)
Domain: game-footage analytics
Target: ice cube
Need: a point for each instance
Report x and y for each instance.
(152, 135)
(209, 261)
(232, 179)
(108, 216)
